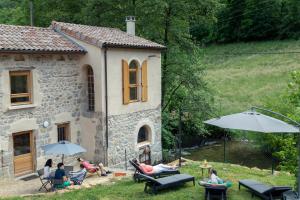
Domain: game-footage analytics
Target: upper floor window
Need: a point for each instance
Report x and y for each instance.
(91, 92)
(20, 87)
(133, 81)
(63, 132)
(135, 84)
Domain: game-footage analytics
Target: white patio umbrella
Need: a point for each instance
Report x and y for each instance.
(63, 148)
(257, 122)
(253, 121)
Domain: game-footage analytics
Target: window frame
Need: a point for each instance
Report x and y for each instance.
(147, 135)
(136, 85)
(28, 74)
(66, 126)
(90, 89)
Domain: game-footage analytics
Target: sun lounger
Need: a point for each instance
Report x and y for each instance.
(166, 182)
(138, 171)
(214, 191)
(264, 191)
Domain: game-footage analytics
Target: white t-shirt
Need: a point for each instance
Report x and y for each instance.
(47, 172)
(214, 178)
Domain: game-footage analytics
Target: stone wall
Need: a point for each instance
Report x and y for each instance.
(59, 93)
(123, 132)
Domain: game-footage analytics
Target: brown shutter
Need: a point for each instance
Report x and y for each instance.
(144, 82)
(125, 70)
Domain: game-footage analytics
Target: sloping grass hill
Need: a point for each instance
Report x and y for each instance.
(246, 74)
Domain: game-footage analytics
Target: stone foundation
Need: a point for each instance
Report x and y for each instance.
(123, 132)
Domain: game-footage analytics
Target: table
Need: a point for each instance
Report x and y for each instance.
(208, 167)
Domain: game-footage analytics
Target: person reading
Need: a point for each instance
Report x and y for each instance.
(91, 168)
(78, 176)
(149, 169)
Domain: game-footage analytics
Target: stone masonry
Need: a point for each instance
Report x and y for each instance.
(123, 131)
(59, 87)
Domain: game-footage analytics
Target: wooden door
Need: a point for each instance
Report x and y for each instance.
(23, 153)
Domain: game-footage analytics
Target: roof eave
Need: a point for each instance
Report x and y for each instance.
(162, 48)
(40, 51)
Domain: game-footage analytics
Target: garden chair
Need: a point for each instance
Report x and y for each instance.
(264, 191)
(43, 180)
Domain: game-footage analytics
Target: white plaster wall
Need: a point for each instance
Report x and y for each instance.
(115, 93)
(93, 58)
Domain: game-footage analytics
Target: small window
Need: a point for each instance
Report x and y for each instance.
(143, 135)
(20, 87)
(133, 81)
(91, 93)
(63, 132)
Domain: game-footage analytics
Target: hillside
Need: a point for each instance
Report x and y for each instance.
(246, 74)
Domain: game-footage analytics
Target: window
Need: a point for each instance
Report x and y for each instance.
(143, 135)
(133, 81)
(63, 132)
(20, 87)
(91, 93)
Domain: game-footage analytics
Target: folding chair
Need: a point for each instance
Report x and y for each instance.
(44, 181)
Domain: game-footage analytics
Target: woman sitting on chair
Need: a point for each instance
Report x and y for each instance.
(149, 169)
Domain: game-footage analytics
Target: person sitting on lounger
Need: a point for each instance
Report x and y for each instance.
(154, 169)
(214, 179)
(78, 177)
(60, 174)
(93, 168)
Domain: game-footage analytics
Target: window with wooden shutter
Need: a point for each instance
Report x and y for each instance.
(125, 71)
(144, 81)
(133, 81)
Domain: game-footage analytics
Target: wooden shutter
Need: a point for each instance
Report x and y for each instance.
(144, 82)
(125, 70)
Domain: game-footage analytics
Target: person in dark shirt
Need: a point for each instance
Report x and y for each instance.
(61, 174)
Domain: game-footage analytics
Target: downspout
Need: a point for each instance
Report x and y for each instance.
(106, 103)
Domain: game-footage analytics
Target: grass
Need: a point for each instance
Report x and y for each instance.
(241, 79)
(127, 189)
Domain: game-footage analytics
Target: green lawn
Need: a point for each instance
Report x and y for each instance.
(243, 79)
(127, 189)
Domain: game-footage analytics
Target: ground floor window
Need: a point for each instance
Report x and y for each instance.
(63, 132)
(143, 135)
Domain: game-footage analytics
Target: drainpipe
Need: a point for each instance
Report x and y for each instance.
(106, 103)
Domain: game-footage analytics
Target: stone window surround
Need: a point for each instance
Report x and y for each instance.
(148, 123)
(36, 99)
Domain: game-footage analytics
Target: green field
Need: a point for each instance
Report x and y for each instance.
(246, 74)
(128, 189)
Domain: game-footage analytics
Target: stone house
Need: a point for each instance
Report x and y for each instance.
(95, 86)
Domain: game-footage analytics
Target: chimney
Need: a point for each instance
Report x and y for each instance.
(130, 25)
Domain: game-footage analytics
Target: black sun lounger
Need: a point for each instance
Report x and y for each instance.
(264, 191)
(138, 172)
(166, 182)
(214, 191)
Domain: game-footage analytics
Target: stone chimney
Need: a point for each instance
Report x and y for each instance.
(130, 25)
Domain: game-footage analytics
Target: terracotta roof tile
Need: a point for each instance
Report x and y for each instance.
(34, 39)
(100, 36)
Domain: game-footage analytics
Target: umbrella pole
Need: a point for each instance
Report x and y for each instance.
(224, 148)
(62, 158)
